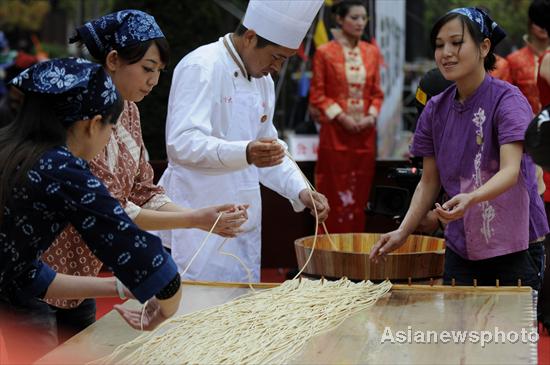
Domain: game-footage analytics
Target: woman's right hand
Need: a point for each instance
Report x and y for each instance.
(152, 317)
(387, 243)
(155, 312)
(230, 222)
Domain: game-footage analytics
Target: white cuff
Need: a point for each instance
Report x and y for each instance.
(156, 202)
(132, 210)
(233, 154)
(297, 205)
(333, 110)
(373, 111)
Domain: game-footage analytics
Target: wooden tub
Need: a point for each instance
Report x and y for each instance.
(421, 257)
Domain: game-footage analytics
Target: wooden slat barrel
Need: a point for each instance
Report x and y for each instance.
(421, 257)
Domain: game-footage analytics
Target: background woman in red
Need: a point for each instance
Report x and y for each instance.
(346, 90)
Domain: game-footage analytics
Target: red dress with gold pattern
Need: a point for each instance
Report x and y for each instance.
(524, 65)
(502, 69)
(524, 68)
(543, 84)
(347, 80)
(544, 93)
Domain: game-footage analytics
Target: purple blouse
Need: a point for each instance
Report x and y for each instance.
(465, 139)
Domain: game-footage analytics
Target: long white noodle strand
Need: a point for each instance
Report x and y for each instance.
(266, 327)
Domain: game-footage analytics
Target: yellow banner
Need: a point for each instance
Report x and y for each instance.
(320, 36)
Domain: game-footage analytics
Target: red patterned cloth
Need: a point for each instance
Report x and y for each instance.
(348, 80)
(544, 84)
(502, 69)
(544, 92)
(524, 66)
(546, 178)
(123, 168)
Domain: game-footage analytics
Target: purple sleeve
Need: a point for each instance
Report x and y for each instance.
(423, 145)
(512, 116)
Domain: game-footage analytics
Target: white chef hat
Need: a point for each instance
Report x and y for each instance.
(284, 22)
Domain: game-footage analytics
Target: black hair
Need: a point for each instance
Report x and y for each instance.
(537, 138)
(489, 62)
(261, 43)
(36, 129)
(342, 8)
(131, 54)
(539, 14)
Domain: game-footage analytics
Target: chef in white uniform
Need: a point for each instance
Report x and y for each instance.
(220, 138)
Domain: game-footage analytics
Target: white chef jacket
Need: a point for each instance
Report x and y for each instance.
(214, 111)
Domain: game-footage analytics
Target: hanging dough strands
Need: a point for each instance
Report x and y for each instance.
(195, 256)
(310, 189)
(248, 272)
(269, 326)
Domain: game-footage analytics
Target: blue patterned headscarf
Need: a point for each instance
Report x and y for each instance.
(117, 30)
(489, 28)
(82, 89)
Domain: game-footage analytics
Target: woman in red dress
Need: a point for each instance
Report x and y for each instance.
(346, 90)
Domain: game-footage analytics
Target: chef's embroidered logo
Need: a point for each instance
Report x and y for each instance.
(227, 99)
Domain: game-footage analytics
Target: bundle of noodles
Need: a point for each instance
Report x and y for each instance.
(266, 326)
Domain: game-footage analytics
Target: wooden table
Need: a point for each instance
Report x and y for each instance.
(358, 340)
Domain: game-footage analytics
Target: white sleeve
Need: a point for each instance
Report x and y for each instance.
(189, 139)
(285, 178)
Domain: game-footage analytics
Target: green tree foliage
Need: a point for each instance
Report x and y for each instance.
(187, 25)
(509, 14)
(23, 15)
(89, 8)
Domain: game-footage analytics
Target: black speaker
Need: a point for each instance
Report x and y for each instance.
(537, 139)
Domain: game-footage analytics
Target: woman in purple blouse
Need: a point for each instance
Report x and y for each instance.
(471, 139)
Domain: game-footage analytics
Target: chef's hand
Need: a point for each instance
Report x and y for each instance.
(265, 152)
(320, 201)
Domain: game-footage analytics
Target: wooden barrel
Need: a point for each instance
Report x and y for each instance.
(421, 257)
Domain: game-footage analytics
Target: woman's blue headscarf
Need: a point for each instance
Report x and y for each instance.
(489, 28)
(82, 89)
(117, 30)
